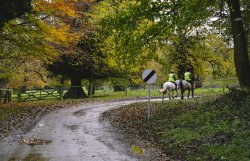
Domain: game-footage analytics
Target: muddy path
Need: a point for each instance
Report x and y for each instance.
(74, 134)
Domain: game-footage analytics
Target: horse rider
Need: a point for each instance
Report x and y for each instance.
(171, 78)
(188, 77)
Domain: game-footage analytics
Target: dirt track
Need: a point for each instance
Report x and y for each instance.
(75, 134)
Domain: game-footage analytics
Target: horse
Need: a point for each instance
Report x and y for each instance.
(185, 85)
(169, 87)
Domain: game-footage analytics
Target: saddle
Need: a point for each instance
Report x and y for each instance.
(175, 84)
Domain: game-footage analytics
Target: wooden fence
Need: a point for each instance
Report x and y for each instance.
(39, 94)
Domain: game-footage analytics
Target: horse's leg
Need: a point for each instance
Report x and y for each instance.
(182, 93)
(192, 92)
(188, 93)
(176, 94)
(173, 94)
(162, 96)
(192, 88)
(169, 94)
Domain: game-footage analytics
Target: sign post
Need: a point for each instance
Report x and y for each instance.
(149, 112)
(149, 76)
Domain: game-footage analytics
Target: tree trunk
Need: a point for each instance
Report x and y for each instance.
(76, 90)
(240, 44)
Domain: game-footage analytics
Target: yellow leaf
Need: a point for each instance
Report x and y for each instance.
(137, 149)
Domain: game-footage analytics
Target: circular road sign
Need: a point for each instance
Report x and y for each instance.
(149, 76)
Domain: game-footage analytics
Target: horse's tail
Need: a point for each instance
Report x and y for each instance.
(164, 89)
(181, 85)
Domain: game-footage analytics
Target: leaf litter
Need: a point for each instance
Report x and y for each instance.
(34, 141)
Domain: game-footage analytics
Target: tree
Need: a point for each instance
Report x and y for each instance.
(12, 9)
(30, 73)
(124, 43)
(38, 35)
(241, 58)
(84, 61)
(158, 21)
(204, 55)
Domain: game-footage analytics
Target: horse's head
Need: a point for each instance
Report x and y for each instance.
(195, 77)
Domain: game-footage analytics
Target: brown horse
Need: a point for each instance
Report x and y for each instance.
(185, 85)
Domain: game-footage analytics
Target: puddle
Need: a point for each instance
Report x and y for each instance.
(41, 124)
(80, 113)
(71, 127)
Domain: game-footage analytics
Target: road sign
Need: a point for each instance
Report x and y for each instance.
(149, 76)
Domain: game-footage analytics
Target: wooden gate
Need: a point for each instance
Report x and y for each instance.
(40, 94)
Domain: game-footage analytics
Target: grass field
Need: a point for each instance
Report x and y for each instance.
(109, 94)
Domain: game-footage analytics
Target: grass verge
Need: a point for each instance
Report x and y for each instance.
(209, 128)
(15, 108)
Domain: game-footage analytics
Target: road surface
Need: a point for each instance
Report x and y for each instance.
(73, 134)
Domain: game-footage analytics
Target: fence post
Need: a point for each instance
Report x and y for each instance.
(40, 93)
(61, 92)
(91, 90)
(6, 96)
(10, 95)
(19, 95)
